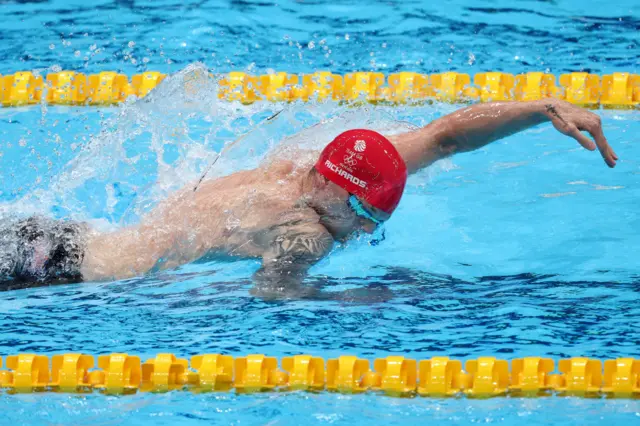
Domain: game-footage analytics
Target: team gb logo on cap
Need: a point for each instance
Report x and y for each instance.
(360, 145)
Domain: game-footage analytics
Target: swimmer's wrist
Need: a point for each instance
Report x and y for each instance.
(544, 108)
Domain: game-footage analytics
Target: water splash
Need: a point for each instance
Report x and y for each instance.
(153, 146)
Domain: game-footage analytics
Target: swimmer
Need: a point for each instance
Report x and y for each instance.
(287, 215)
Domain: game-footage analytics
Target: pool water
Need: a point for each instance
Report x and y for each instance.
(525, 247)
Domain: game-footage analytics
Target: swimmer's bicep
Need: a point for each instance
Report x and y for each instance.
(290, 255)
(300, 245)
(418, 149)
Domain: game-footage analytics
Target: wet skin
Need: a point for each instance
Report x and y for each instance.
(290, 216)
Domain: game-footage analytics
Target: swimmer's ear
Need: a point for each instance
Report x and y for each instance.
(317, 179)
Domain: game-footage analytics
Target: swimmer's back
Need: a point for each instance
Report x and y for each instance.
(223, 215)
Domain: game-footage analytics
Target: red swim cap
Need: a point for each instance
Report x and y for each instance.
(367, 165)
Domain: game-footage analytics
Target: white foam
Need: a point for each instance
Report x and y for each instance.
(184, 117)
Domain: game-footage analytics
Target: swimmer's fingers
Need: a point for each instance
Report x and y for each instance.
(609, 155)
(572, 120)
(594, 126)
(595, 130)
(574, 132)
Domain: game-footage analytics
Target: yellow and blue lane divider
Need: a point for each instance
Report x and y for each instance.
(616, 90)
(121, 373)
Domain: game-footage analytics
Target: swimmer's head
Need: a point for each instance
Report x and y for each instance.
(365, 164)
(357, 183)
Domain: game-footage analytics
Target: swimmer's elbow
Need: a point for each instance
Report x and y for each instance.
(277, 280)
(273, 293)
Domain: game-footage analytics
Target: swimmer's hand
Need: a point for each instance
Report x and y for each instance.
(571, 120)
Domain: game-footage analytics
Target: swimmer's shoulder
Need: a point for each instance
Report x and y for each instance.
(291, 161)
(282, 167)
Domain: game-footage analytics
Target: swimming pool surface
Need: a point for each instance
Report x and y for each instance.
(526, 247)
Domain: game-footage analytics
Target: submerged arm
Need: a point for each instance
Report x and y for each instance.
(288, 258)
(476, 126)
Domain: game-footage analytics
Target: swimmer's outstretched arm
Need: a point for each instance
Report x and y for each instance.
(478, 125)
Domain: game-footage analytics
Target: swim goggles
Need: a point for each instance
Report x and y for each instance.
(358, 208)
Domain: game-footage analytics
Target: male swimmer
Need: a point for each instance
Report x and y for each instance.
(285, 214)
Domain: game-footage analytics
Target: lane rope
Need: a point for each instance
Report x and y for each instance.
(617, 90)
(121, 373)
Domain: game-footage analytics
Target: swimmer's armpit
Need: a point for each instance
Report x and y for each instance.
(288, 258)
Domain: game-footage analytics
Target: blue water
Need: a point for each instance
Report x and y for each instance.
(526, 247)
(303, 36)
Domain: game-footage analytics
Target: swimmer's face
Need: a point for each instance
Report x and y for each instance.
(338, 215)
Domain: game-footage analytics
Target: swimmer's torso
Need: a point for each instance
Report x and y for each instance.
(238, 214)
